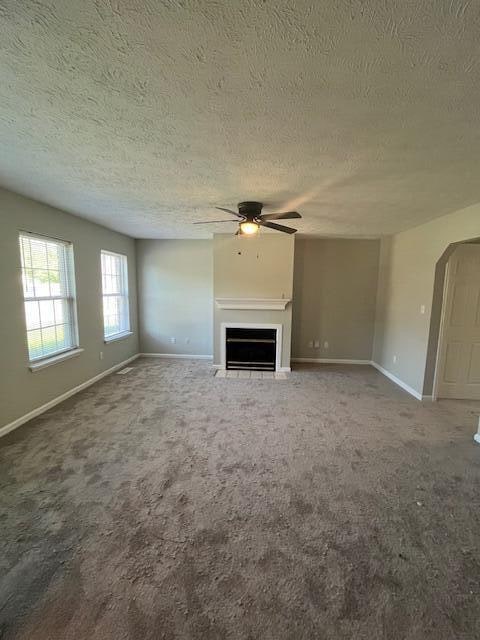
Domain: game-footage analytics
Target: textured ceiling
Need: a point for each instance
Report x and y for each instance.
(144, 115)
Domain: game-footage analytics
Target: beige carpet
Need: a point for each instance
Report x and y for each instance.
(168, 503)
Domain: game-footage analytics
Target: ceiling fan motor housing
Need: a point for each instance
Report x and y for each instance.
(250, 210)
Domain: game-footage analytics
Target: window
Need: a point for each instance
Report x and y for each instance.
(49, 295)
(116, 317)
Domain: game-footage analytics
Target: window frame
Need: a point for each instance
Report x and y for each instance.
(125, 331)
(71, 300)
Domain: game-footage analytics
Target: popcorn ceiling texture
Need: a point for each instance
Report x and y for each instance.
(143, 115)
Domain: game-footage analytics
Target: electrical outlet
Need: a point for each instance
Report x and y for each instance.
(325, 344)
(173, 340)
(310, 344)
(394, 359)
(316, 344)
(100, 355)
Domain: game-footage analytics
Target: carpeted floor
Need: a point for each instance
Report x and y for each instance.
(167, 503)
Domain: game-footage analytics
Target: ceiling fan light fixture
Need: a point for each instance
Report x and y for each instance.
(249, 228)
(251, 219)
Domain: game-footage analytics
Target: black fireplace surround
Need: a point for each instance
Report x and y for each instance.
(252, 349)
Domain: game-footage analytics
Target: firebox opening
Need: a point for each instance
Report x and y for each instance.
(253, 349)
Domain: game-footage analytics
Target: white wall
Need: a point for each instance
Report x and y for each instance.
(175, 296)
(406, 282)
(22, 391)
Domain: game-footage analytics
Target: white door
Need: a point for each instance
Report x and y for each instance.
(459, 361)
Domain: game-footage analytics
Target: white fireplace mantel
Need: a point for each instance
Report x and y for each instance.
(276, 304)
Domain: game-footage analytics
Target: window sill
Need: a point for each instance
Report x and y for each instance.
(48, 362)
(118, 336)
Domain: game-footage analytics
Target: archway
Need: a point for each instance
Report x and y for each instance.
(436, 317)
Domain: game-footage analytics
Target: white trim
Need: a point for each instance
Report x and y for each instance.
(67, 285)
(47, 362)
(439, 359)
(250, 325)
(275, 304)
(113, 253)
(284, 369)
(406, 387)
(118, 336)
(186, 356)
(123, 294)
(386, 373)
(476, 437)
(39, 236)
(44, 407)
(332, 360)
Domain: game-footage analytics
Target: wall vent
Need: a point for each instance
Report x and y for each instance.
(122, 372)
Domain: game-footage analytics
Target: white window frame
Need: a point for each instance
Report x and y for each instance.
(69, 269)
(125, 322)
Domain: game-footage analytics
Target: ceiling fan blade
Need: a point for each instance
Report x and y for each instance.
(213, 221)
(288, 215)
(277, 227)
(234, 213)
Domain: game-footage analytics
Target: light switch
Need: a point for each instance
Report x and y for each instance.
(422, 309)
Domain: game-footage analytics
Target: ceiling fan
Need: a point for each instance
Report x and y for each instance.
(250, 219)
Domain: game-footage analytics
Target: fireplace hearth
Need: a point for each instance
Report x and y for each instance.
(251, 349)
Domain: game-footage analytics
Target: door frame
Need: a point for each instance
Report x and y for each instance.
(441, 347)
(441, 342)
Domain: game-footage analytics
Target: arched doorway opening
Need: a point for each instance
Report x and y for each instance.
(438, 321)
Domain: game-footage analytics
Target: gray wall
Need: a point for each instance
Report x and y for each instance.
(175, 296)
(21, 390)
(407, 281)
(258, 267)
(334, 296)
(335, 286)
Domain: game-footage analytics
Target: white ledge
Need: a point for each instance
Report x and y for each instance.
(118, 336)
(47, 362)
(277, 304)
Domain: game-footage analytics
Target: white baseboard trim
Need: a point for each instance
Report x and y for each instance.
(406, 387)
(385, 372)
(182, 356)
(332, 360)
(45, 407)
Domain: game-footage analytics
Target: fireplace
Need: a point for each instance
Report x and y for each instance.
(250, 348)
